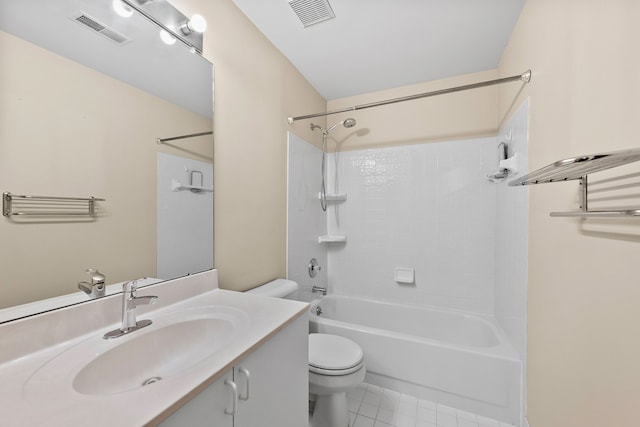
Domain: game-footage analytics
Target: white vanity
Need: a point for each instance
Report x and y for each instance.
(210, 357)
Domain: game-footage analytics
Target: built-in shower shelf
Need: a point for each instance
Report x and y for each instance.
(338, 197)
(332, 238)
(578, 168)
(177, 186)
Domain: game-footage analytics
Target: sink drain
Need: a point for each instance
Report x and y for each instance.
(151, 380)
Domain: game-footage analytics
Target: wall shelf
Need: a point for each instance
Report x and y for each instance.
(339, 197)
(177, 186)
(48, 206)
(332, 238)
(578, 168)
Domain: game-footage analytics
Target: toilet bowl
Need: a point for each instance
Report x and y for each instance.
(336, 365)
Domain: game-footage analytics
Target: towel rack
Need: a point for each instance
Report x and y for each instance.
(56, 206)
(578, 168)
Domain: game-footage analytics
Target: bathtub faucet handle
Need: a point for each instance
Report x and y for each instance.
(319, 289)
(314, 267)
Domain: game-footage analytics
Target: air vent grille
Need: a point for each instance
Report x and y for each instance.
(98, 27)
(311, 12)
(91, 23)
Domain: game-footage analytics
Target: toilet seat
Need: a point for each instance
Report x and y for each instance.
(334, 355)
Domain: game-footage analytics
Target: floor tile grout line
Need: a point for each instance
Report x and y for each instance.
(446, 412)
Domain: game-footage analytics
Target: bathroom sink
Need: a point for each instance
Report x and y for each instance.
(172, 344)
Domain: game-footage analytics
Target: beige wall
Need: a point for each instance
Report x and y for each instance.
(584, 293)
(448, 117)
(256, 89)
(67, 130)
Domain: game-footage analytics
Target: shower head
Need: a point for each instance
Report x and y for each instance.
(349, 123)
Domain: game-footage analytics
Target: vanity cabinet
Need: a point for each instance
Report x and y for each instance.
(271, 384)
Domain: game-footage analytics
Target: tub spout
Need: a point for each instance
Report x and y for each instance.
(319, 289)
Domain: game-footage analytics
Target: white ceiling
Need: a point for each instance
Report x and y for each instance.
(378, 44)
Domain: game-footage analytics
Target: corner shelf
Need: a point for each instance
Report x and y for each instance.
(578, 168)
(338, 197)
(332, 238)
(177, 186)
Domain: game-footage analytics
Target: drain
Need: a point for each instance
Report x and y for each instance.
(151, 380)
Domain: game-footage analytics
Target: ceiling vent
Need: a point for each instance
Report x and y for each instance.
(312, 12)
(98, 27)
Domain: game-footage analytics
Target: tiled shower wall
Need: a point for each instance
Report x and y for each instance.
(427, 207)
(510, 295)
(305, 219)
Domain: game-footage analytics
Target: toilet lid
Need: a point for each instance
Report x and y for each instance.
(332, 352)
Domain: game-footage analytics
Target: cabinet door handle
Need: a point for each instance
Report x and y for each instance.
(248, 375)
(234, 390)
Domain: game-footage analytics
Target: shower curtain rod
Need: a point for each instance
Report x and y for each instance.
(161, 140)
(524, 77)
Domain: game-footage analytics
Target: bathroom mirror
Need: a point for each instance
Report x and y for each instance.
(84, 96)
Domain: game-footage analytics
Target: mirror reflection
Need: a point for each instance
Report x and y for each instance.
(80, 116)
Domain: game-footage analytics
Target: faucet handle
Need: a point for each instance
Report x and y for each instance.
(95, 275)
(130, 286)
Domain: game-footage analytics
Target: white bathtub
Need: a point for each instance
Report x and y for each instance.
(454, 358)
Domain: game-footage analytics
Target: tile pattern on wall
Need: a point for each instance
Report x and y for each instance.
(305, 219)
(510, 296)
(427, 207)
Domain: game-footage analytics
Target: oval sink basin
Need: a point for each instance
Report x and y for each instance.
(157, 354)
(173, 343)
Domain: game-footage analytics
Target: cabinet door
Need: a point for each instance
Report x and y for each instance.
(278, 380)
(206, 409)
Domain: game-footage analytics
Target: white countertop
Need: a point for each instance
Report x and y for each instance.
(24, 404)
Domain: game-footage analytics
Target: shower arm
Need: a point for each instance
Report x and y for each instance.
(524, 77)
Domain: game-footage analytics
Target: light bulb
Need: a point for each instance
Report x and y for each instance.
(122, 9)
(197, 23)
(167, 38)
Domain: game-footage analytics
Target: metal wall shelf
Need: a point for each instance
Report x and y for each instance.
(48, 206)
(578, 168)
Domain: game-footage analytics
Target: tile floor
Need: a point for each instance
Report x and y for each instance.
(373, 406)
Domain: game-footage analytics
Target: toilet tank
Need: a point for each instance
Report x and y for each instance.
(279, 288)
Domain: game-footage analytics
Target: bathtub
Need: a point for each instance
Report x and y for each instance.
(453, 358)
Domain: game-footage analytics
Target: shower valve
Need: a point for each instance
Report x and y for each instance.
(314, 267)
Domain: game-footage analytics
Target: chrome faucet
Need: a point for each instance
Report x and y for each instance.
(319, 289)
(129, 303)
(96, 287)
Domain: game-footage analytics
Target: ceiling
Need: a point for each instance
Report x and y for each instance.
(373, 45)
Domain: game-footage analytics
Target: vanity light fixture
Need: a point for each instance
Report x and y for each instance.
(122, 9)
(197, 24)
(175, 25)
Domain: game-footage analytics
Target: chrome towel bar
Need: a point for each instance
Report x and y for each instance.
(57, 206)
(578, 168)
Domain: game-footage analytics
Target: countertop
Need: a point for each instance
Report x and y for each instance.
(25, 402)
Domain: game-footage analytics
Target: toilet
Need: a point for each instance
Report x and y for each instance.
(336, 365)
